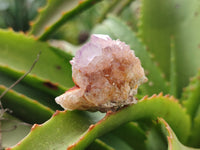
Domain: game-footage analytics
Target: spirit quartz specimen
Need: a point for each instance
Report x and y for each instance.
(106, 74)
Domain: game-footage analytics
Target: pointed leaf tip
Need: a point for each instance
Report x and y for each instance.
(160, 94)
(145, 97)
(56, 113)
(35, 126)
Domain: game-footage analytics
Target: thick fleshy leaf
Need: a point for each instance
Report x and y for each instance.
(55, 14)
(76, 130)
(116, 142)
(99, 145)
(131, 134)
(25, 108)
(150, 108)
(66, 126)
(17, 54)
(194, 137)
(162, 19)
(131, 11)
(155, 139)
(173, 69)
(76, 31)
(116, 29)
(173, 142)
(191, 101)
(191, 96)
(27, 90)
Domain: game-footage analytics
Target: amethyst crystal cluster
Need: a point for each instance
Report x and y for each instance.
(106, 75)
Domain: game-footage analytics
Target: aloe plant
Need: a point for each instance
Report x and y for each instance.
(165, 37)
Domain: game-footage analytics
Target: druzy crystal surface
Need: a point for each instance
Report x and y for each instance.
(106, 74)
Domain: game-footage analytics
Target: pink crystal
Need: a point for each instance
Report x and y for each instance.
(107, 75)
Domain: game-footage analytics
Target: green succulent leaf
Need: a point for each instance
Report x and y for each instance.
(76, 30)
(52, 73)
(116, 29)
(191, 96)
(173, 142)
(155, 139)
(194, 137)
(116, 142)
(190, 100)
(55, 14)
(145, 109)
(132, 134)
(32, 81)
(76, 130)
(99, 145)
(162, 19)
(116, 8)
(130, 14)
(66, 126)
(25, 108)
(173, 69)
(33, 93)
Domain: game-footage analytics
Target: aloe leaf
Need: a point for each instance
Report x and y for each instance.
(115, 142)
(25, 108)
(159, 21)
(132, 134)
(132, 11)
(99, 145)
(191, 96)
(116, 7)
(12, 130)
(76, 130)
(29, 91)
(81, 25)
(173, 142)
(155, 139)
(108, 9)
(173, 69)
(55, 14)
(194, 137)
(66, 126)
(46, 86)
(191, 102)
(150, 108)
(115, 28)
(19, 52)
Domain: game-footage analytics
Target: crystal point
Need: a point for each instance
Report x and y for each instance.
(107, 73)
